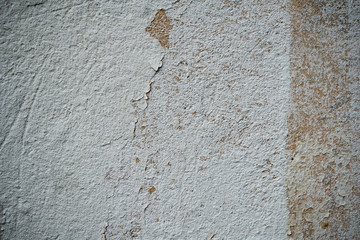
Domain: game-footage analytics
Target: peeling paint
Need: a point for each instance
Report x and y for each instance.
(323, 194)
(207, 136)
(169, 119)
(71, 74)
(160, 28)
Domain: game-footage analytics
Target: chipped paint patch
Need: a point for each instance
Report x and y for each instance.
(152, 190)
(160, 28)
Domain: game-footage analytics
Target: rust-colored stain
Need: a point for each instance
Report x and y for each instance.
(160, 28)
(152, 190)
(137, 160)
(323, 197)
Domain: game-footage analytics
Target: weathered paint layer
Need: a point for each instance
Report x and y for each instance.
(208, 156)
(168, 119)
(70, 71)
(323, 173)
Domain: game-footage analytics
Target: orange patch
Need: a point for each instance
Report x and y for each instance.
(160, 28)
(152, 190)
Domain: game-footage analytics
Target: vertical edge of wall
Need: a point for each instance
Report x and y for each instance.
(323, 189)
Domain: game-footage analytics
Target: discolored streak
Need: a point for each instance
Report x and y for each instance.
(160, 28)
(323, 189)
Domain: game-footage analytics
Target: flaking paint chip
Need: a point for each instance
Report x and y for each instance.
(160, 28)
(152, 190)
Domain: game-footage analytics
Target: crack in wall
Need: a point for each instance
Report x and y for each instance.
(160, 29)
(199, 125)
(145, 103)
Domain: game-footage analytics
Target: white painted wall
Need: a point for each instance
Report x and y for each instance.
(105, 134)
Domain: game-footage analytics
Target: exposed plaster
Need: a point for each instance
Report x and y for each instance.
(160, 28)
(323, 182)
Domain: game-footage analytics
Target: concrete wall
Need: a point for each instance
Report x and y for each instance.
(165, 119)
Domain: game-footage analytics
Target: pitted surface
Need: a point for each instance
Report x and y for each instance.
(179, 119)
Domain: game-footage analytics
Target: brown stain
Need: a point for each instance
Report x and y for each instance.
(152, 190)
(322, 197)
(134, 232)
(160, 28)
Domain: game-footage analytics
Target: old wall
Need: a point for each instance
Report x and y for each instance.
(179, 119)
(323, 175)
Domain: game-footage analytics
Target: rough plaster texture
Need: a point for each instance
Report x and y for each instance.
(208, 158)
(324, 146)
(179, 119)
(70, 71)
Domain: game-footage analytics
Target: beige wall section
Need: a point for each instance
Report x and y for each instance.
(323, 173)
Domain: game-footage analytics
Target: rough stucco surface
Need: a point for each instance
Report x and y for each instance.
(324, 146)
(70, 71)
(207, 158)
(179, 119)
